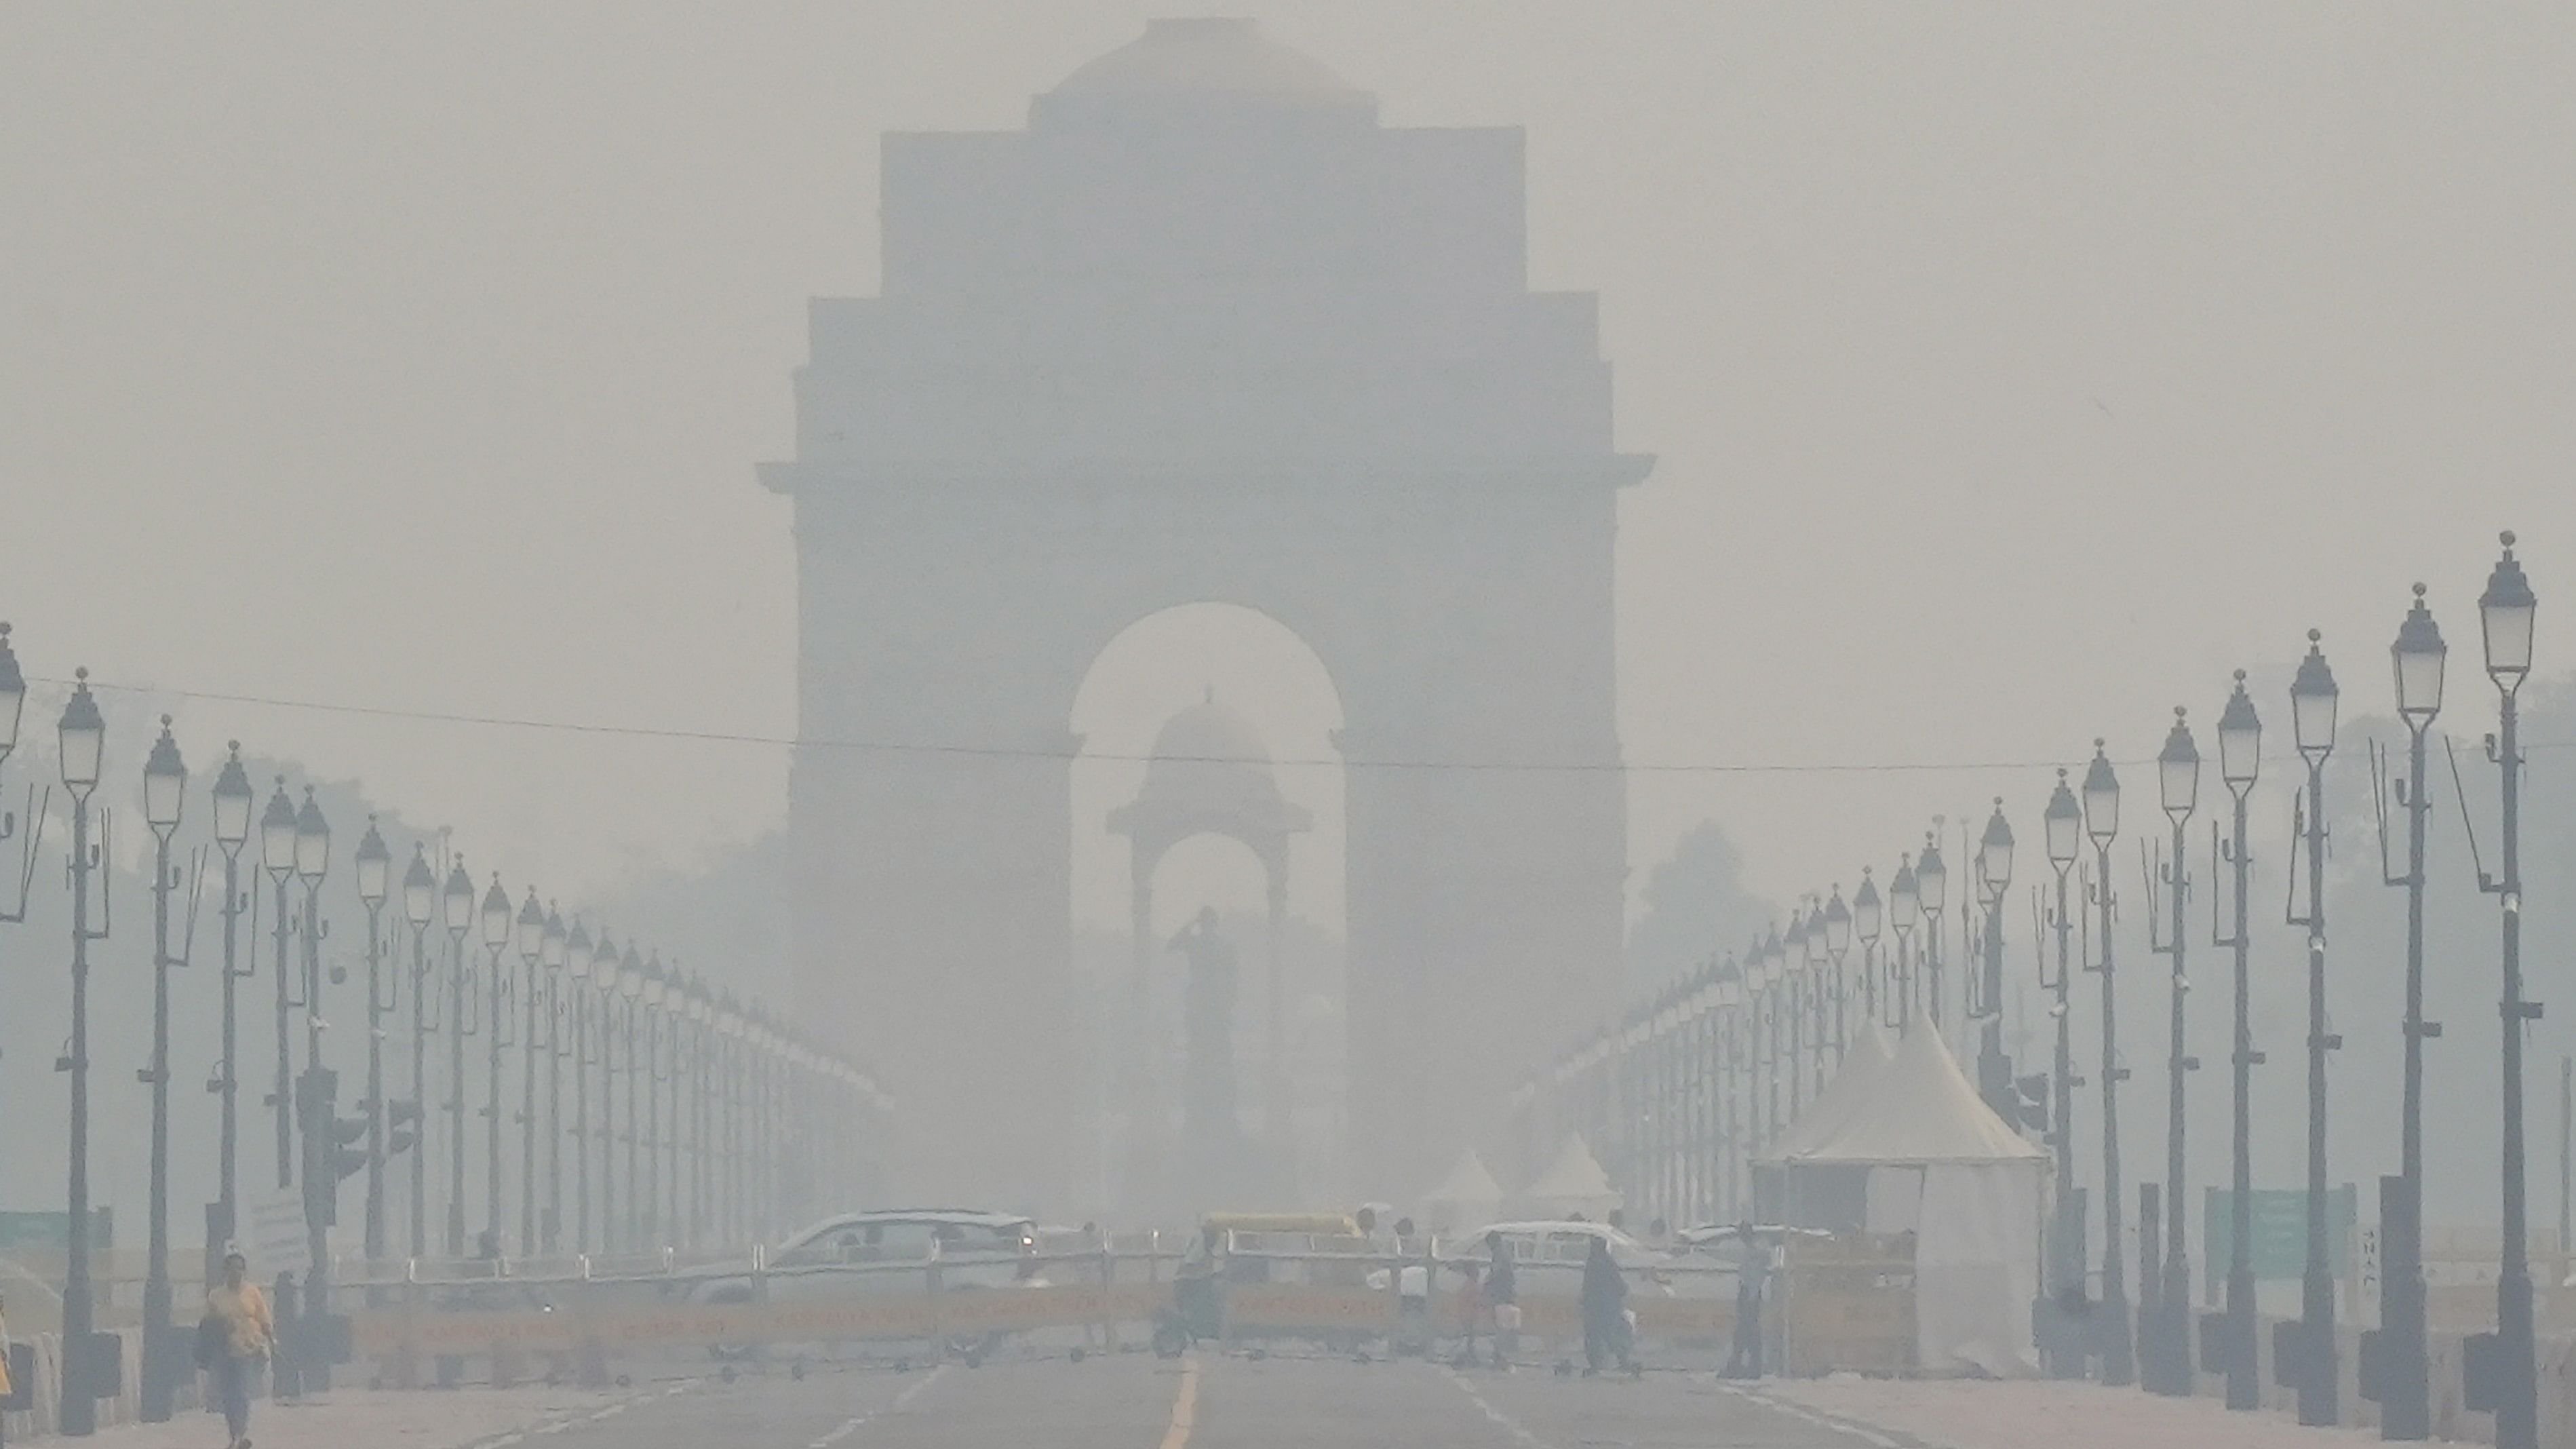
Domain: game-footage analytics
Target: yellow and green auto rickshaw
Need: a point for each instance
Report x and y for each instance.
(1236, 1249)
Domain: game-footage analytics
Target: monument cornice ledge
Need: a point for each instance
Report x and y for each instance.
(1591, 470)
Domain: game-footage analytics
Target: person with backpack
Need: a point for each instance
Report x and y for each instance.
(238, 1335)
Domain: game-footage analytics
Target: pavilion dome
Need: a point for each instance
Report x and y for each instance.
(1208, 754)
(1209, 770)
(1211, 731)
(1208, 58)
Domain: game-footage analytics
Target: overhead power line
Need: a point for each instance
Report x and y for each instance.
(1011, 752)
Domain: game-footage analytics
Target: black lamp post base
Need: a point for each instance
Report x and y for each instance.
(2239, 1351)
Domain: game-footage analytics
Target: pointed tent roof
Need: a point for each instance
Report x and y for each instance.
(1468, 1182)
(1574, 1179)
(1921, 1108)
(1848, 1092)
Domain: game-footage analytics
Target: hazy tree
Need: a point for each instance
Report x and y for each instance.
(1695, 904)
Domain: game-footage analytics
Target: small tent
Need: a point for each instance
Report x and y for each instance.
(1847, 1092)
(1828, 1198)
(1573, 1185)
(1465, 1201)
(1940, 1163)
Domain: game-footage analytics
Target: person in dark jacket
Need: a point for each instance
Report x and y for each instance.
(1605, 1310)
(1752, 1276)
(1502, 1298)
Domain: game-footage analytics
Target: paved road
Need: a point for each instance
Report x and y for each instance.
(1207, 1402)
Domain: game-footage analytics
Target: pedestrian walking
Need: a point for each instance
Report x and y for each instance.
(242, 1336)
(7, 1390)
(1752, 1276)
(1605, 1311)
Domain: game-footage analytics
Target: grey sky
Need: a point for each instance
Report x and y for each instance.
(2016, 370)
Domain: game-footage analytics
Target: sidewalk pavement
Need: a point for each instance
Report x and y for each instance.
(344, 1418)
(1986, 1414)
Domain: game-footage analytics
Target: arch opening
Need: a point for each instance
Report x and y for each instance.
(1207, 778)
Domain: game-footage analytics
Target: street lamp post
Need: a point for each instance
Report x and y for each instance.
(2405, 1407)
(608, 977)
(232, 830)
(531, 938)
(1794, 963)
(1763, 988)
(1824, 969)
(733, 1223)
(2063, 825)
(728, 1209)
(319, 1103)
(684, 1065)
(2240, 749)
(1838, 939)
(2313, 700)
(1904, 912)
(375, 870)
(772, 1196)
(165, 787)
(551, 955)
(1932, 882)
(83, 736)
(2505, 613)
(496, 938)
(577, 958)
(1756, 1025)
(420, 900)
(1868, 922)
(1994, 874)
(630, 981)
(755, 1086)
(655, 1027)
(456, 902)
(2102, 825)
(2169, 1365)
(675, 1018)
(277, 857)
(1714, 1035)
(701, 1081)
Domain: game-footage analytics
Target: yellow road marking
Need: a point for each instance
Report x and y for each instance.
(1185, 1406)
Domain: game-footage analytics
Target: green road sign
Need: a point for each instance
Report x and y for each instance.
(2280, 1238)
(50, 1233)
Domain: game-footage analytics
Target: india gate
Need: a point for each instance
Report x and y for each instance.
(1205, 331)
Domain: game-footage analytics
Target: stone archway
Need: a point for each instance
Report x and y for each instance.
(1210, 774)
(1206, 330)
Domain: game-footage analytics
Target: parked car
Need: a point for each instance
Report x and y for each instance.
(889, 1252)
(1548, 1259)
(975, 1249)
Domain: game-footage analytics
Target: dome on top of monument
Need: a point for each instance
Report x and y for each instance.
(1209, 771)
(1209, 57)
(1208, 731)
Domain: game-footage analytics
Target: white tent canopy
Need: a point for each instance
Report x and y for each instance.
(1920, 1109)
(1466, 1201)
(1847, 1093)
(1573, 1184)
(1940, 1162)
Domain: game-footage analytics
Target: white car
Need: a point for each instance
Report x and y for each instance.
(974, 1249)
(889, 1252)
(1548, 1259)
